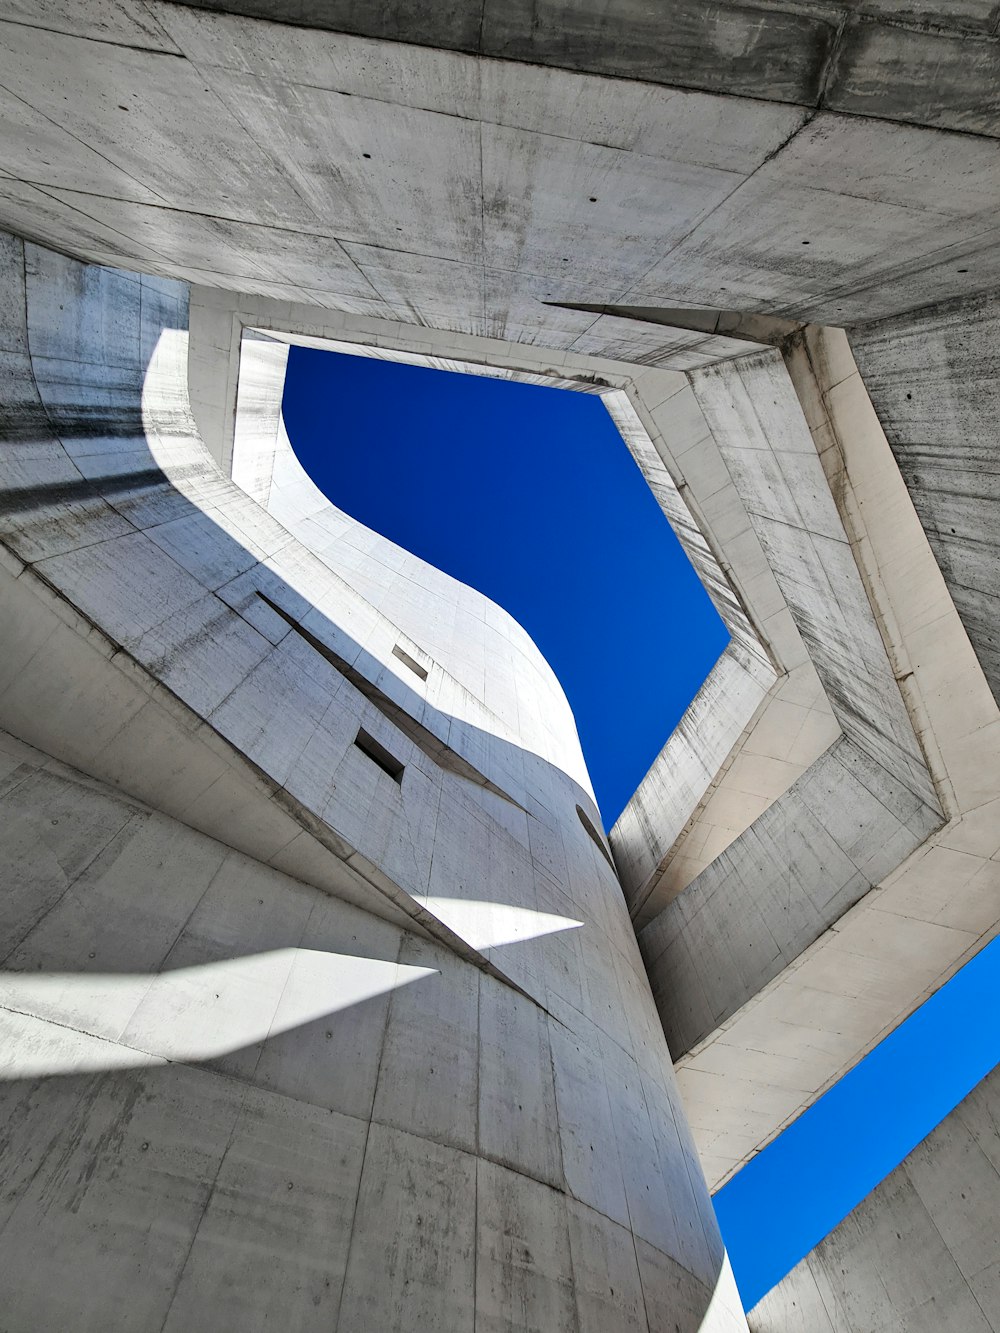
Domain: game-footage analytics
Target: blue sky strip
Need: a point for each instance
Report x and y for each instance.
(791, 1195)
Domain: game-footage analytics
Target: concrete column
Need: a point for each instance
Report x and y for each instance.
(297, 1029)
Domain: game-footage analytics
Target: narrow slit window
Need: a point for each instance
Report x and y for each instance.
(409, 661)
(378, 754)
(594, 836)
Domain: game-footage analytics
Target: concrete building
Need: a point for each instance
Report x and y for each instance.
(327, 1003)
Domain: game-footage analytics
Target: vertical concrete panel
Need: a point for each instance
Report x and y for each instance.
(278, 1222)
(120, 1170)
(427, 1086)
(590, 1150)
(412, 1260)
(931, 378)
(605, 1273)
(524, 1273)
(517, 1105)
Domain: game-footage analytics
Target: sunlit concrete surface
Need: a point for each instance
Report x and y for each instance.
(671, 211)
(751, 1094)
(928, 915)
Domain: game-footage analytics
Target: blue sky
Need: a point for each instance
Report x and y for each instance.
(796, 1191)
(530, 495)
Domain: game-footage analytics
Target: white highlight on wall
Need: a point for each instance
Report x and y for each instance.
(487, 924)
(79, 1022)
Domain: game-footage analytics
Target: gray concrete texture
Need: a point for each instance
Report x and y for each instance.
(370, 174)
(932, 378)
(732, 964)
(815, 849)
(862, 58)
(922, 1252)
(760, 1068)
(856, 813)
(438, 187)
(219, 1111)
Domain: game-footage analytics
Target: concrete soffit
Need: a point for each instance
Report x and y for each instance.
(671, 215)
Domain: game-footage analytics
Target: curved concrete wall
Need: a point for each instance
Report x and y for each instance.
(445, 623)
(317, 180)
(751, 732)
(497, 1142)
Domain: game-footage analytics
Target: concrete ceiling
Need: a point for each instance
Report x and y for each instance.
(502, 198)
(918, 61)
(811, 162)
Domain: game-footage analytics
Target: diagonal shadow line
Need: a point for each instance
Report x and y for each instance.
(23, 499)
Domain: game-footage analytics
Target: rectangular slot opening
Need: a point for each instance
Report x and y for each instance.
(595, 837)
(409, 661)
(378, 754)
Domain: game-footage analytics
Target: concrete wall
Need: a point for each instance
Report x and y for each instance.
(454, 1153)
(904, 939)
(689, 781)
(497, 191)
(231, 1099)
(757, 1070)
(747, 736)
(756, 731)
(445, 624)
(832, 166)
(932, 379)
(678, 779)
(864, 805)
(921, 1252)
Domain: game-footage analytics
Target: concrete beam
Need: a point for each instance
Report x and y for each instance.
(931, 377)
(915, 929)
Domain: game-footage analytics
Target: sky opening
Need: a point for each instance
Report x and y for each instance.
(791, 1195)
(530, 495)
